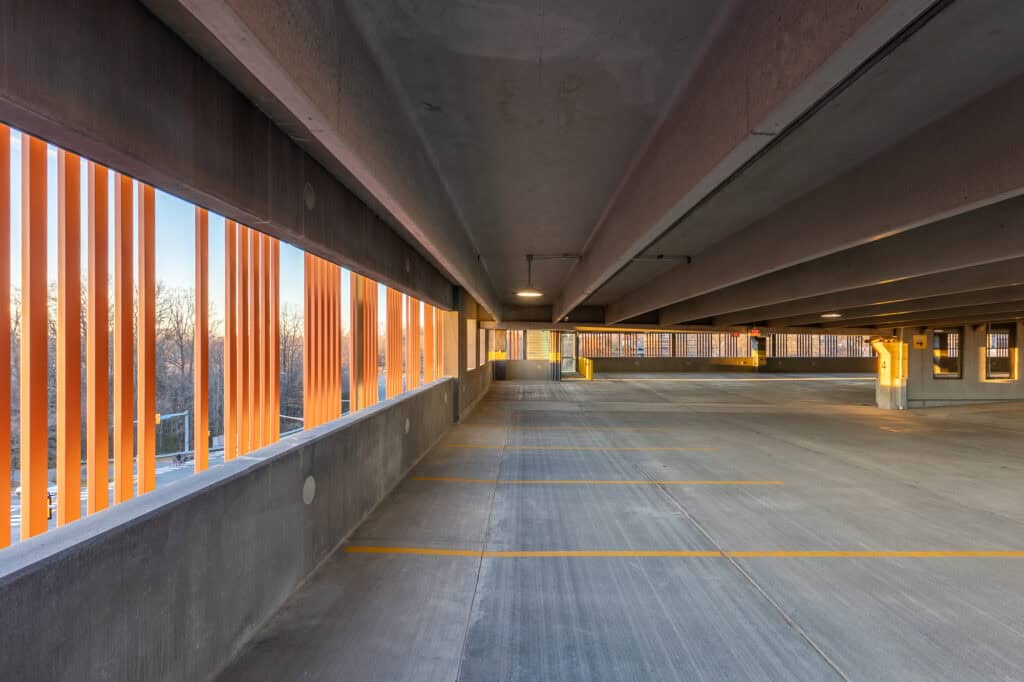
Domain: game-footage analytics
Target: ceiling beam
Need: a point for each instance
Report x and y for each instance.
(990, 276)
(896, 309)
(987, 235)
(116, 86)
(961, 162)
(997, 312)
(747, 89)
(335, 100)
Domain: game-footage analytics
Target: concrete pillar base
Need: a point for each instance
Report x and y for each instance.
(891, 384)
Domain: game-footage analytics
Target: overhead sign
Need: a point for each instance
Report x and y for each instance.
(755, 332)
(920, 342)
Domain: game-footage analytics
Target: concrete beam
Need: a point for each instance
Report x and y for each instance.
(897, 309)
(117, 86)
(987, 235)
(997, 312)
(991, 276)
(961, 162)
(762, 73)
(530, 313)
(309, 65)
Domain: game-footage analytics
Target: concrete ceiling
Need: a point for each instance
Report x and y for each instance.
(533, 111)
(693, 159)
(806, 179)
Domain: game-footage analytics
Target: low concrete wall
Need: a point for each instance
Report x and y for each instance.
(673, 365)
(926, 390)
(170, 585)
(528, 370)
(821, 365)
(779, 365)
(475, 383)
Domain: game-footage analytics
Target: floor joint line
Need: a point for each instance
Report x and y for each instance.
(749, 578)
(483, 548)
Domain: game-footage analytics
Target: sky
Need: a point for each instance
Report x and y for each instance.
(175, 239)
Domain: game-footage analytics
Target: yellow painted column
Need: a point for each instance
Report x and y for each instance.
(893, 366)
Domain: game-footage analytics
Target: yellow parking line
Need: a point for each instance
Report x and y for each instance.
(599, 553)
(428, 551)
(759, 554)
(492, 481)
(575, 427)
(883, 554)
(757, 378)
(570, 448)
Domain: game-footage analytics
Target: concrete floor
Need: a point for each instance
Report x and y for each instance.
(836, 475)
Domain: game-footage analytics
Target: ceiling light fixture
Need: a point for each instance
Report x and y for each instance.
(529, 291)
(831, 316)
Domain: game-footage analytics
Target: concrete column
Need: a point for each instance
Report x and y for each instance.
(891, 386)
(759, 351)
(449, 342)
(555, 357)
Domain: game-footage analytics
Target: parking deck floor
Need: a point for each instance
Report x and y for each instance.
(676, 527)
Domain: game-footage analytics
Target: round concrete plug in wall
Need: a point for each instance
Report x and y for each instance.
(308, 490)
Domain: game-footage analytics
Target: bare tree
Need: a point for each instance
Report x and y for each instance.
(175, 335)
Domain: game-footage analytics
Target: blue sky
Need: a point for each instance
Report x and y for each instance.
(175, 239)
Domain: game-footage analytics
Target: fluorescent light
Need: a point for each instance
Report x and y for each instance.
(529, 291)
(831, 315)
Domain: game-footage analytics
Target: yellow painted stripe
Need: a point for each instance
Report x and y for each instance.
(758, 378)
(871, 554)
(755, 554)
(570, 448)
(513, 554)
(574, 427)
(428, 551)
(492, 481)
(600, 553)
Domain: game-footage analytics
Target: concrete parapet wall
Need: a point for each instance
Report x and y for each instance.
(169, 586)
(475, 383)
(529, 370)
(972, 386)
(782, 365)
(673, 365)
(823, 365)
